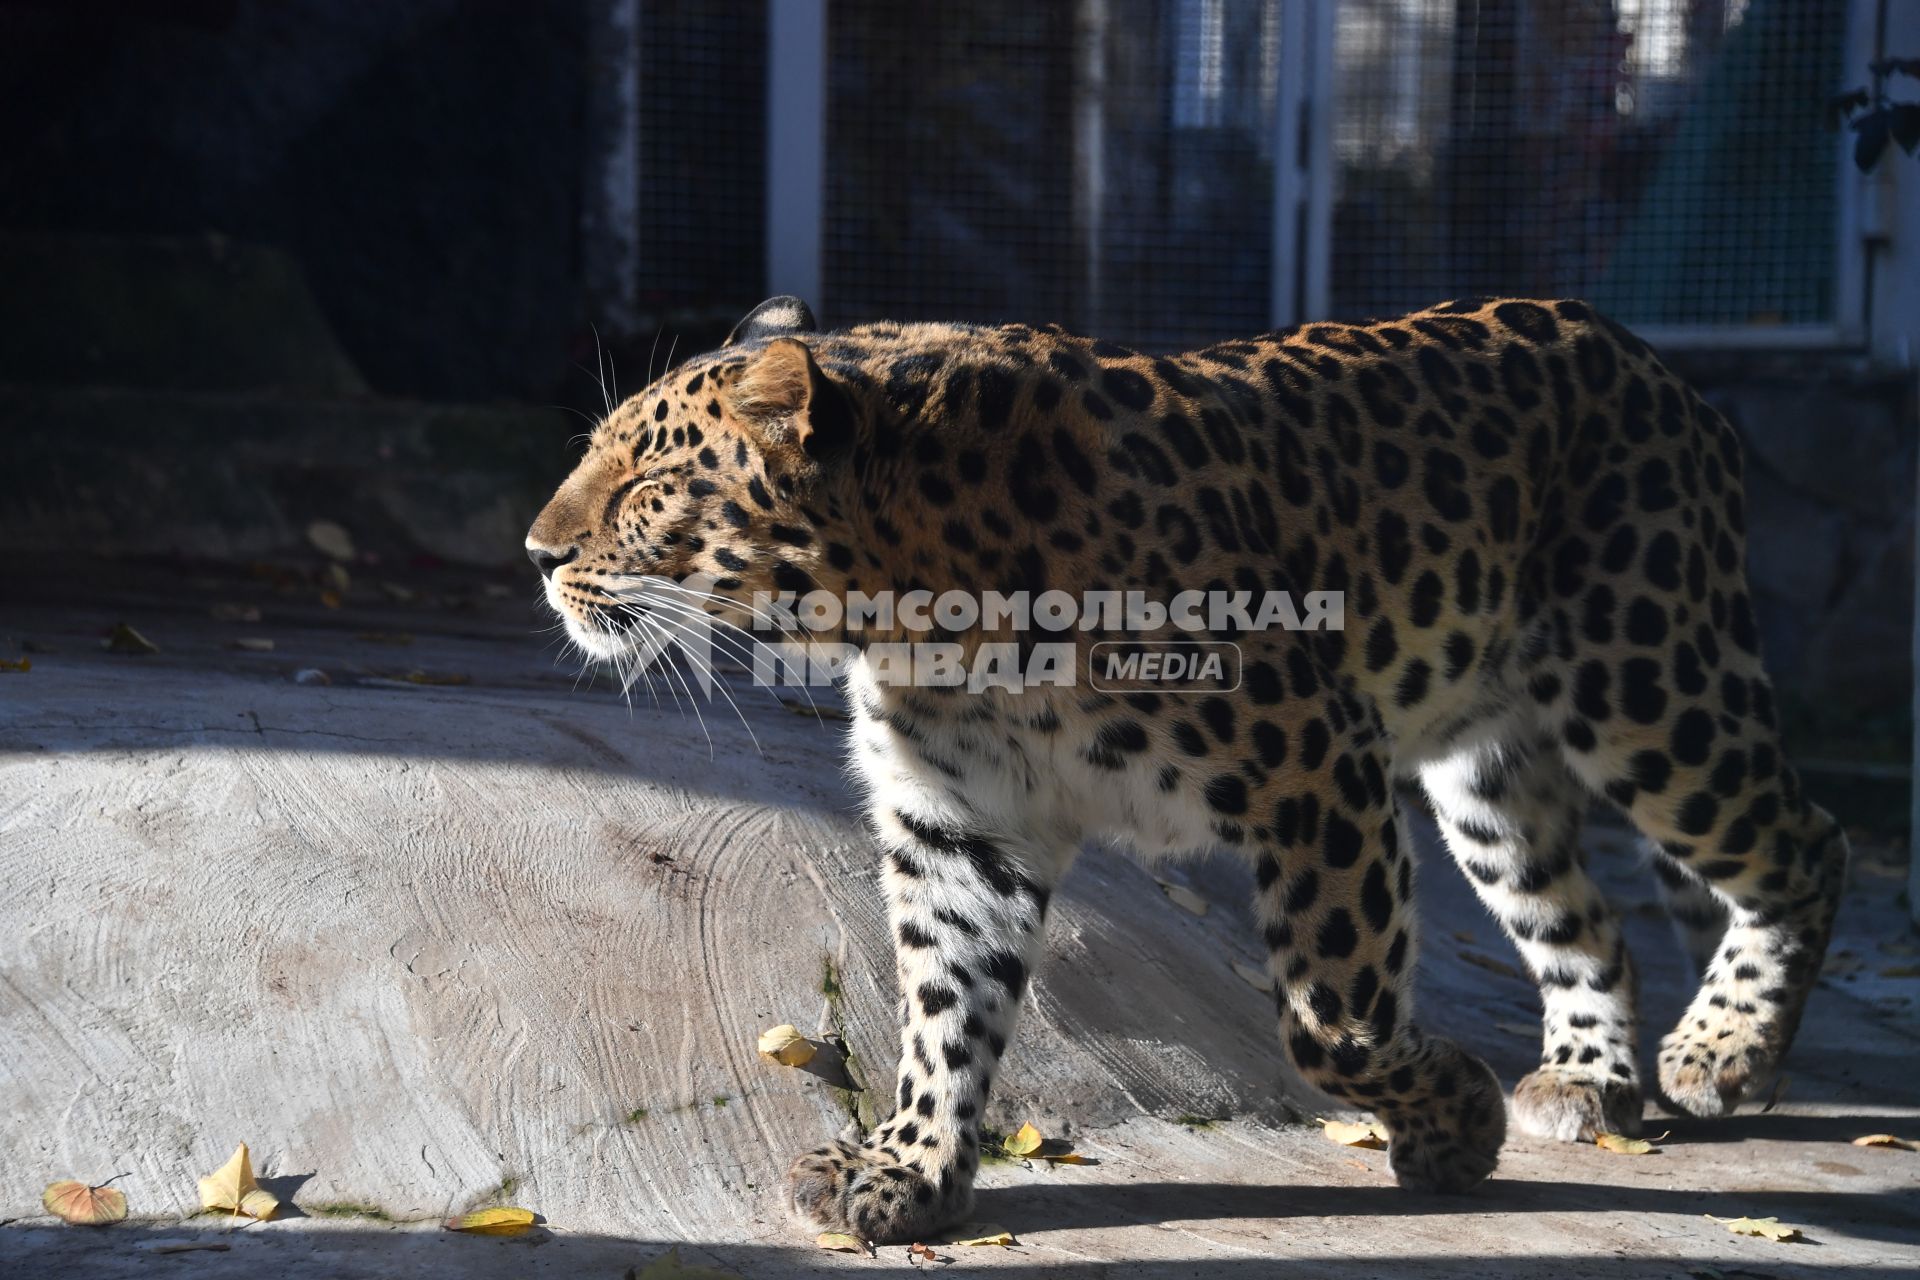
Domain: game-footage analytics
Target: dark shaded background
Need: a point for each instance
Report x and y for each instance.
(267, 263)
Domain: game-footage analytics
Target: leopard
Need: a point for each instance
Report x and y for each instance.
(1537, 531)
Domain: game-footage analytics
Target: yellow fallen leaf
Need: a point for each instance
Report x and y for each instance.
(16, 664)
(834, 1242)
(1766, 1228)
(669, 1267)
(785, 1045)
(1024, 1143)
(502, 1220)
(1184, 898)
(1622, 1145)
(82, 1205)
(1366, 1134)
(1885, 1140)
(1258, 979)
(979, 1233)
(232, 1187)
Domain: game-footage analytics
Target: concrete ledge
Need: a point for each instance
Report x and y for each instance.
(425, 947)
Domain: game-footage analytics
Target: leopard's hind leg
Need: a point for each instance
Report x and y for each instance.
(1511, 814)
(1654, 686)
(1727, 810)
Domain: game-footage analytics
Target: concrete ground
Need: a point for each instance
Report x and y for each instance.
(427, 945)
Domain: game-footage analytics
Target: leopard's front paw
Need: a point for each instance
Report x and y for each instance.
(1707, 1071)
(867, 1193)
(1451, 1141)
(1569, 1106)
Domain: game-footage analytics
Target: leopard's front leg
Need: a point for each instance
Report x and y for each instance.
(967, 907)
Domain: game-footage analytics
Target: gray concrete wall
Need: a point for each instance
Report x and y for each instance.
(1831, 450)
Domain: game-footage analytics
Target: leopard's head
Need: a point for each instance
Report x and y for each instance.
(711, 479)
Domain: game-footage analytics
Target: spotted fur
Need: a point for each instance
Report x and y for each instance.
(1539, 531)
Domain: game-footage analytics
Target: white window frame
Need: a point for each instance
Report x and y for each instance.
(796, 195)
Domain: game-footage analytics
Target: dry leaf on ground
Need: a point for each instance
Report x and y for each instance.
(1258, 979)
(1365, 1133)
(1885, 1140)
(828, 712)
(669, 1267)
(437, 677)
(16, 664)
(501, 1220)
(82, 1205)
(916, 1252)
(979, 1233)
(785, 1045)
(1765, 1228)
(232, 1187)
(329, 539)
(1491, 965)
(834, 1242)
(124, 639)
(1184, 898)
(1025, 1142)
(1620, 1144)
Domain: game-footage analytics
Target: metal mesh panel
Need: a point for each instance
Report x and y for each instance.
(1106, 163)
(703, 104)
(1664, 158)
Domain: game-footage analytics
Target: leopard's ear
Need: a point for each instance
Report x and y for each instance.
(786, 400)
(776, 317)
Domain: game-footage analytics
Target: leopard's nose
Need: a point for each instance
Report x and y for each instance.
(547, 559)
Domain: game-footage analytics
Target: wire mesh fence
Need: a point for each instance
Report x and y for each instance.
(1111, 163)
(1664, 158)
(1106, 163)
(702, 168)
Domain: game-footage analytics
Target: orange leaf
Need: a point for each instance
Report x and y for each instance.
(84, 1206)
